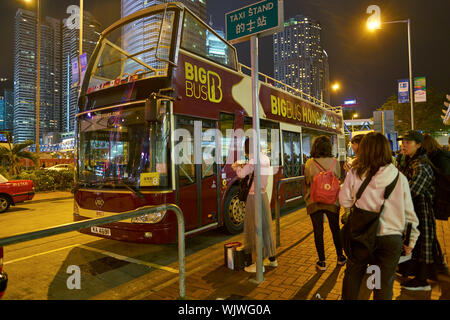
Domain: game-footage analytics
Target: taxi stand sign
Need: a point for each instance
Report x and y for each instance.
(262, 18)
(249, 23)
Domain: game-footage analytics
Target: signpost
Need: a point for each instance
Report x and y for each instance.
(248, 23)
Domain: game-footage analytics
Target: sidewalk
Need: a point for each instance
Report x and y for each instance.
(295, 278)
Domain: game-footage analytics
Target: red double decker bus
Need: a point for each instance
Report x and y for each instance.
(162, 110)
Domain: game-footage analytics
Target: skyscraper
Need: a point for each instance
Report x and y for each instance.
(25, 65)
(70, 51)
(299, 59)
(131, 6)
(143, 34)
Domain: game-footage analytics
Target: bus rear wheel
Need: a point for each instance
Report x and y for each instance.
(234, 212)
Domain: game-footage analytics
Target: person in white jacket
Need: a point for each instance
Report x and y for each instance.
(374, 157)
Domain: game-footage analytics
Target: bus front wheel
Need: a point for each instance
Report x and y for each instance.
(234, 212)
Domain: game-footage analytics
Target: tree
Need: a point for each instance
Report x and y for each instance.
(14, 152)
(427, 115)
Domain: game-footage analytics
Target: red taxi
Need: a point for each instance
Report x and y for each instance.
(14, 191)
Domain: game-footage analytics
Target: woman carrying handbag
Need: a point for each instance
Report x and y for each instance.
(371, 175)
(244, 170)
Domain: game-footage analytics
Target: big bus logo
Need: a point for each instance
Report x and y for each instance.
(202, 84)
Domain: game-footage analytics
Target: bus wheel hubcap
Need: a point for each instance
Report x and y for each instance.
(237, 211)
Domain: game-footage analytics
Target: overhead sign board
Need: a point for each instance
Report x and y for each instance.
(420, 89)
(261, 18)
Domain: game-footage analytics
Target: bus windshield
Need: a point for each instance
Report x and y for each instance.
(120, 148)
(136, 50)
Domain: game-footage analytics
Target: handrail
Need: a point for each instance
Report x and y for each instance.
(277, 202)
(74, 226)
(290, 89)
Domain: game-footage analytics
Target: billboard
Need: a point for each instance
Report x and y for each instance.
(75, 72)
(420, 89)
(403, 91)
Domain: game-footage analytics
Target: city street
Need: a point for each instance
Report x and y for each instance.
(38, 269)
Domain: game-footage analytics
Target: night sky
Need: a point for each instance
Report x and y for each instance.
(367, 65)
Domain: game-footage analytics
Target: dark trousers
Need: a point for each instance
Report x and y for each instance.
(386, 256)
(333, 220)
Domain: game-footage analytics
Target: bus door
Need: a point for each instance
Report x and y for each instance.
(196, 170)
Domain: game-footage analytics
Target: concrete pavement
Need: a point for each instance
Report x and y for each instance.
(295, 278)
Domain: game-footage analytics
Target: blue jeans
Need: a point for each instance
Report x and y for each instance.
(386, 256)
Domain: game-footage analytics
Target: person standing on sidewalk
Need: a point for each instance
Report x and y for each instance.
(321, 156)
(375, 160)
(421, 183)
(268, 239)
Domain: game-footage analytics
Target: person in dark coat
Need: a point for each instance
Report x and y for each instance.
(440, 160)
(421, 183)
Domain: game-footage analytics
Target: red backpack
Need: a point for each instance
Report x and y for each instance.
(325, 186)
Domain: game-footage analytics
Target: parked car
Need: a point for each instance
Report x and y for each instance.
(61, 167)
(14, 191)
(3, 275)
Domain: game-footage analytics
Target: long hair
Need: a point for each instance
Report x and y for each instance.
(374, 152)
(430, 144)
(321, 147)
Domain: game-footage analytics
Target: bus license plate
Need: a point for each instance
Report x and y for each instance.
(102, 231)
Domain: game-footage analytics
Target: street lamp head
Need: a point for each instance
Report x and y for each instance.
(373, 25)
(335, 86)
(355, 115)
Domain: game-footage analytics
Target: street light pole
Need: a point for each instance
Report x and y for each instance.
(411, 83)
(81, 27)
(38, 86)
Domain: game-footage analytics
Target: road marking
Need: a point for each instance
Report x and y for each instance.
(131, 260)
(40, 254)
(104, 252)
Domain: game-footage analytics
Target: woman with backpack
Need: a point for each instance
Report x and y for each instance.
(321, 162)
(380, 191)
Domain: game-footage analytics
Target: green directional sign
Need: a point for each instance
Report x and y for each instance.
(262, 18)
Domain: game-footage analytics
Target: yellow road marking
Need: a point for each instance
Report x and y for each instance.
(131, 260)
(40, 254)
(104, 252)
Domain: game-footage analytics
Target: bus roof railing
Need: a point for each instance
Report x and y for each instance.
(273, 82)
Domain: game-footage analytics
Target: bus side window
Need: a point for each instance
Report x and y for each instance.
(226, 124)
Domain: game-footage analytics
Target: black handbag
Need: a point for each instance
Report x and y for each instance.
(360, 231)
(244, 187)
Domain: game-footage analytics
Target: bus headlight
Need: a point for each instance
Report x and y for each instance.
(154, 217)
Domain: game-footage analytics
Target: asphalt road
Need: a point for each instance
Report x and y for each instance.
(43, 269)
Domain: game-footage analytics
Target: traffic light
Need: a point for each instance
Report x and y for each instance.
(446, 118)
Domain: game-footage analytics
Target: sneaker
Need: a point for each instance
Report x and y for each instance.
(341, 260)
(272, 264)
(320, 265)
(416, 285)
(252, 268)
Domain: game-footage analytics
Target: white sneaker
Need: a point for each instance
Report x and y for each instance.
(252, 268)
(272, 264)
